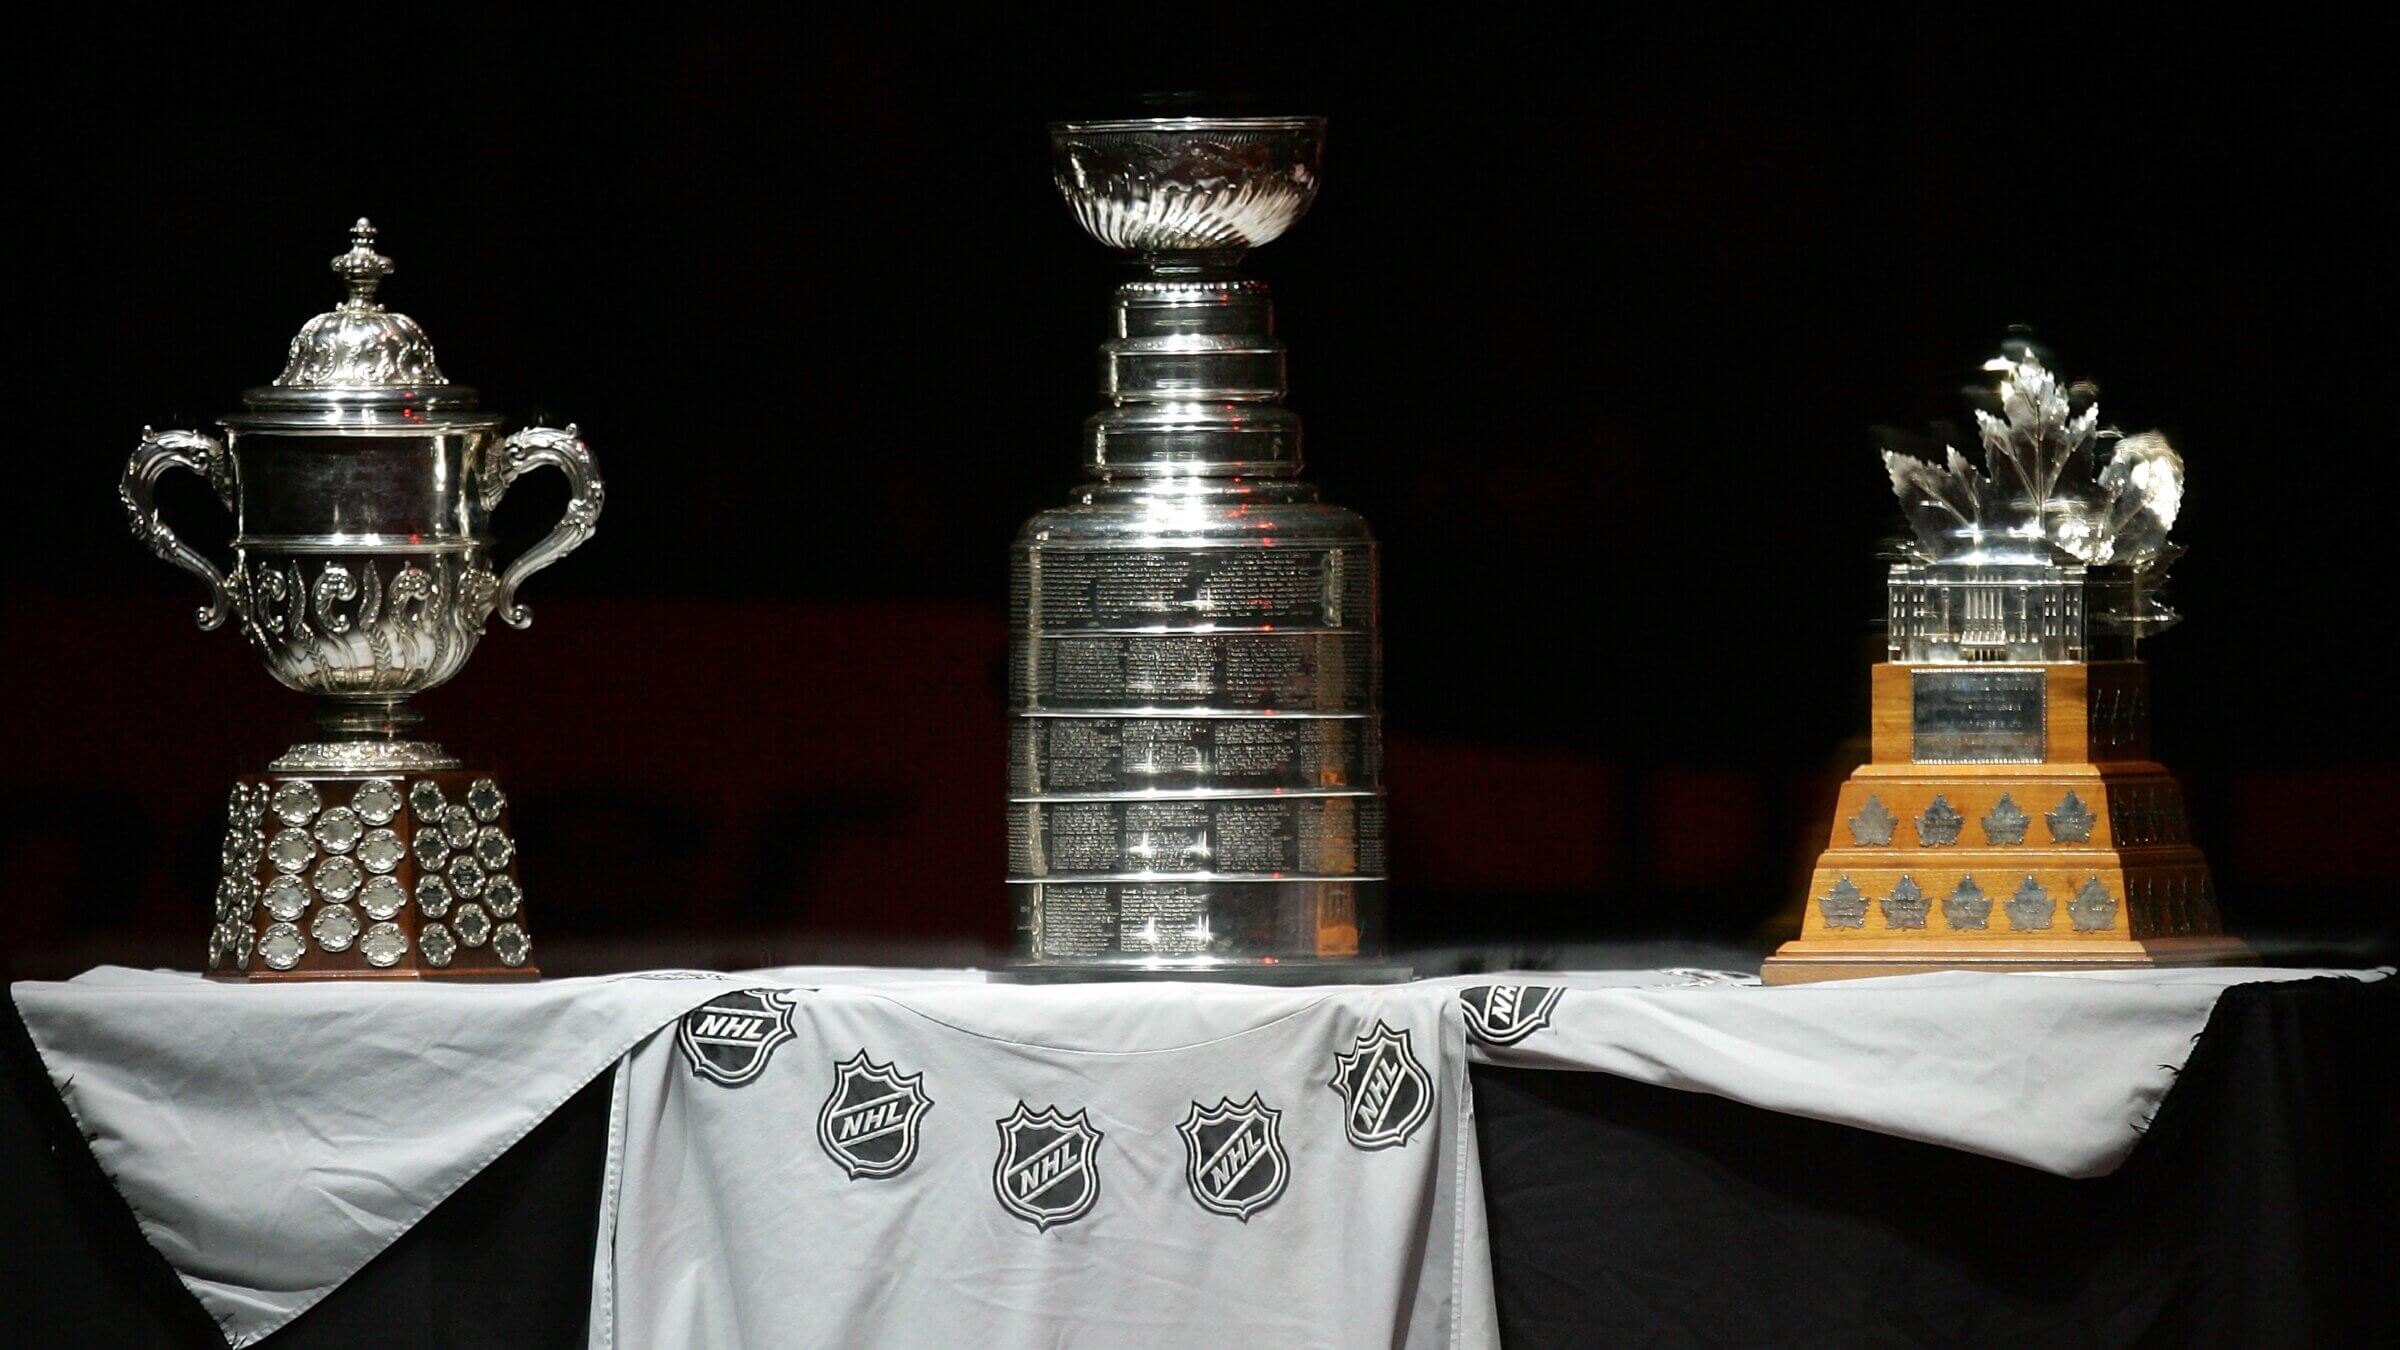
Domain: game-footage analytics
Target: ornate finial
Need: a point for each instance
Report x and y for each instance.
(362, 267)
(358, 344)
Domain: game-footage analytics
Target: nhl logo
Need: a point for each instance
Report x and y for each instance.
(1234, 1156)
(728, 1039)
(1504, 1014)
(1047, 1173)
(869, 1124)
(1388, 1091)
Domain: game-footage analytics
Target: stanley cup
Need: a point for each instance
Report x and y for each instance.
(1195, 765)
(362, 484)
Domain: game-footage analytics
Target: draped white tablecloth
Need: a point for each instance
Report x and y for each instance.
(1169, 1164)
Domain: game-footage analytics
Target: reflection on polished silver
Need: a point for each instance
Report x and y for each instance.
(376, 801)
(383, 945)
(2055, 555)
(362, 484)
(1195, 766)
(511, 944)
(1164, 186)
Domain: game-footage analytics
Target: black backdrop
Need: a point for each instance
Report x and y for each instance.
(1593, 321)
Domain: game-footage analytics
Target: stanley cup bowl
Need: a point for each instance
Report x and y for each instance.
(1166, 186)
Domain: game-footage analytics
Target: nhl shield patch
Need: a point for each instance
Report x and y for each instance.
(869, 1123)
(1234, 1156)
(1048, 1171)
(1386, 1089)
(728, 1039)
(1504, 1014)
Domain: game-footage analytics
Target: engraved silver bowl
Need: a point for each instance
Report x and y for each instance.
(1168, 185)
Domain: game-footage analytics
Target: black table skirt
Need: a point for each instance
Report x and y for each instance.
(2259, 1210)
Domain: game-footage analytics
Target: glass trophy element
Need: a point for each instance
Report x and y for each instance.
(1195, 783)
(362, 483)
(2010, 816)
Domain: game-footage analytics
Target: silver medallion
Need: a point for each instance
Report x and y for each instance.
(281, 946)
(381, 850)
(437, 944)
(384, 945)
(296, 801)
(502, 896)
(338, 829)
(432, 849)
(472, 924)
(291, 850)
(485, 800)
(433, 896)
(286, 897)
(466, 877)
(376, 801)
(426, 801)
(511, 945)
(338, 878)
(382, 897)
(458, 827)
(335, 927)
(493, 848)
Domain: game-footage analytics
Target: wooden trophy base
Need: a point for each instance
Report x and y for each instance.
(2071, 853)
(402, 875)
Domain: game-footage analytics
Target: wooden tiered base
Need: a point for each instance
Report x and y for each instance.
(405, 875)
(2081, 861)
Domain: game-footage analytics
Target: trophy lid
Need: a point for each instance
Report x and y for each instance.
(358, 362)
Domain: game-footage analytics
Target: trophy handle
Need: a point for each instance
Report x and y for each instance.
(203, 455)
(528, 450)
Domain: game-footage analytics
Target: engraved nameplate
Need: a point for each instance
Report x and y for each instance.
(1978, 716)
